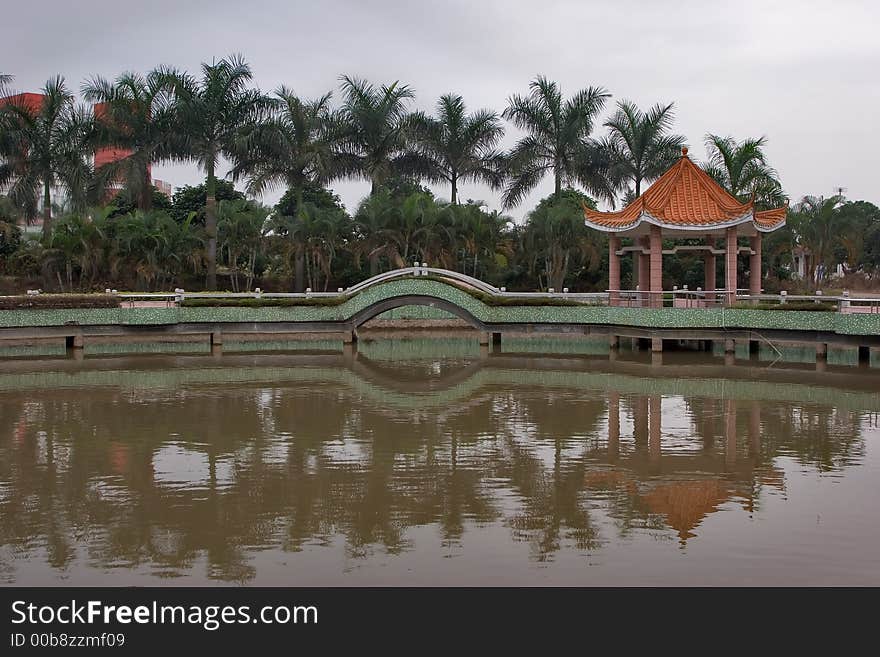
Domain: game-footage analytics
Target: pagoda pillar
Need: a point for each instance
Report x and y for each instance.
(656, 242)
(730, 266)
(613, 270)
(709, 269)
(644, 270)
(755, 266)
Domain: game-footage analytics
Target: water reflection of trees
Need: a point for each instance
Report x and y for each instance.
(292, 466)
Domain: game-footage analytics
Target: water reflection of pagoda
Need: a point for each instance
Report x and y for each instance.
(293, 452)
(683, 502)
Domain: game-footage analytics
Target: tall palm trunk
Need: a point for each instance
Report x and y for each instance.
(454, 196)
(47, 209)
(299, 284)
(250, 272)
(211, 227)
(299, 265)
(146, 201)
(557, 180)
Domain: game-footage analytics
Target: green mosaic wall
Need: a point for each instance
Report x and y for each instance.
(640, 317)
(415, 312)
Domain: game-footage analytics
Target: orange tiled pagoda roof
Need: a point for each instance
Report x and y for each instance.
(685, 198)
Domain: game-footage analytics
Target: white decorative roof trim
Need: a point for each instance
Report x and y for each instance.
(647, 217)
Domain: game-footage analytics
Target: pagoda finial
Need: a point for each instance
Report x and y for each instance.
(684, 151)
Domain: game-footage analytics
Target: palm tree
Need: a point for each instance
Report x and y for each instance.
(45, 147)
(742, 169)
(457, 146)
(816, 222)
(375, 223)
(376, 121)
(328, 230)
(136, 115)
(557, 141)
(78, 243)
(294, 147)
(211, 111)
(556, 238)
(478, 233)
(240, 233)
(639, 145)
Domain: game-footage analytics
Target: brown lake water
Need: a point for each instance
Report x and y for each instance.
(429, 462)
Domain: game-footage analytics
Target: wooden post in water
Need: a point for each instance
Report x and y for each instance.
(349, 351)
(75, 341)
(821, 356)
(754, 349)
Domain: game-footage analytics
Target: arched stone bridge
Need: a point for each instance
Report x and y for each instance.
(486, 308)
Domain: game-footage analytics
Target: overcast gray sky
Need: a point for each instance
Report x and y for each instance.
(802, 73)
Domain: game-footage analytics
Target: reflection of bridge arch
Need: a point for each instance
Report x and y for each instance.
(391, 303)
(393, 379)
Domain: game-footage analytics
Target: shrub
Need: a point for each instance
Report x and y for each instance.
(58, 301)
(263, 302)
(824, 306)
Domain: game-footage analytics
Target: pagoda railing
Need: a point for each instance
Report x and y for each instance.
(685, 298)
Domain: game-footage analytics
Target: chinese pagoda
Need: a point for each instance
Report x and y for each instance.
(684, 203)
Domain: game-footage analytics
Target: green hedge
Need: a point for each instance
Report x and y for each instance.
(58, 301)
(823, 306)
(262, 302)
(492, 300)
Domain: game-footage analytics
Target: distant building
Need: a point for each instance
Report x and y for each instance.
(164, 187)
(102, 156)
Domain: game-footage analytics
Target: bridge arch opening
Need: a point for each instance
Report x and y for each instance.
(391, 303)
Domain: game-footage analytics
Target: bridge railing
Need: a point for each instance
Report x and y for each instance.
(844, 303)
(674, 298)
(685, 298)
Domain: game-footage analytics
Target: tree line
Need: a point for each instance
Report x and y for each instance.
(283, 141)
